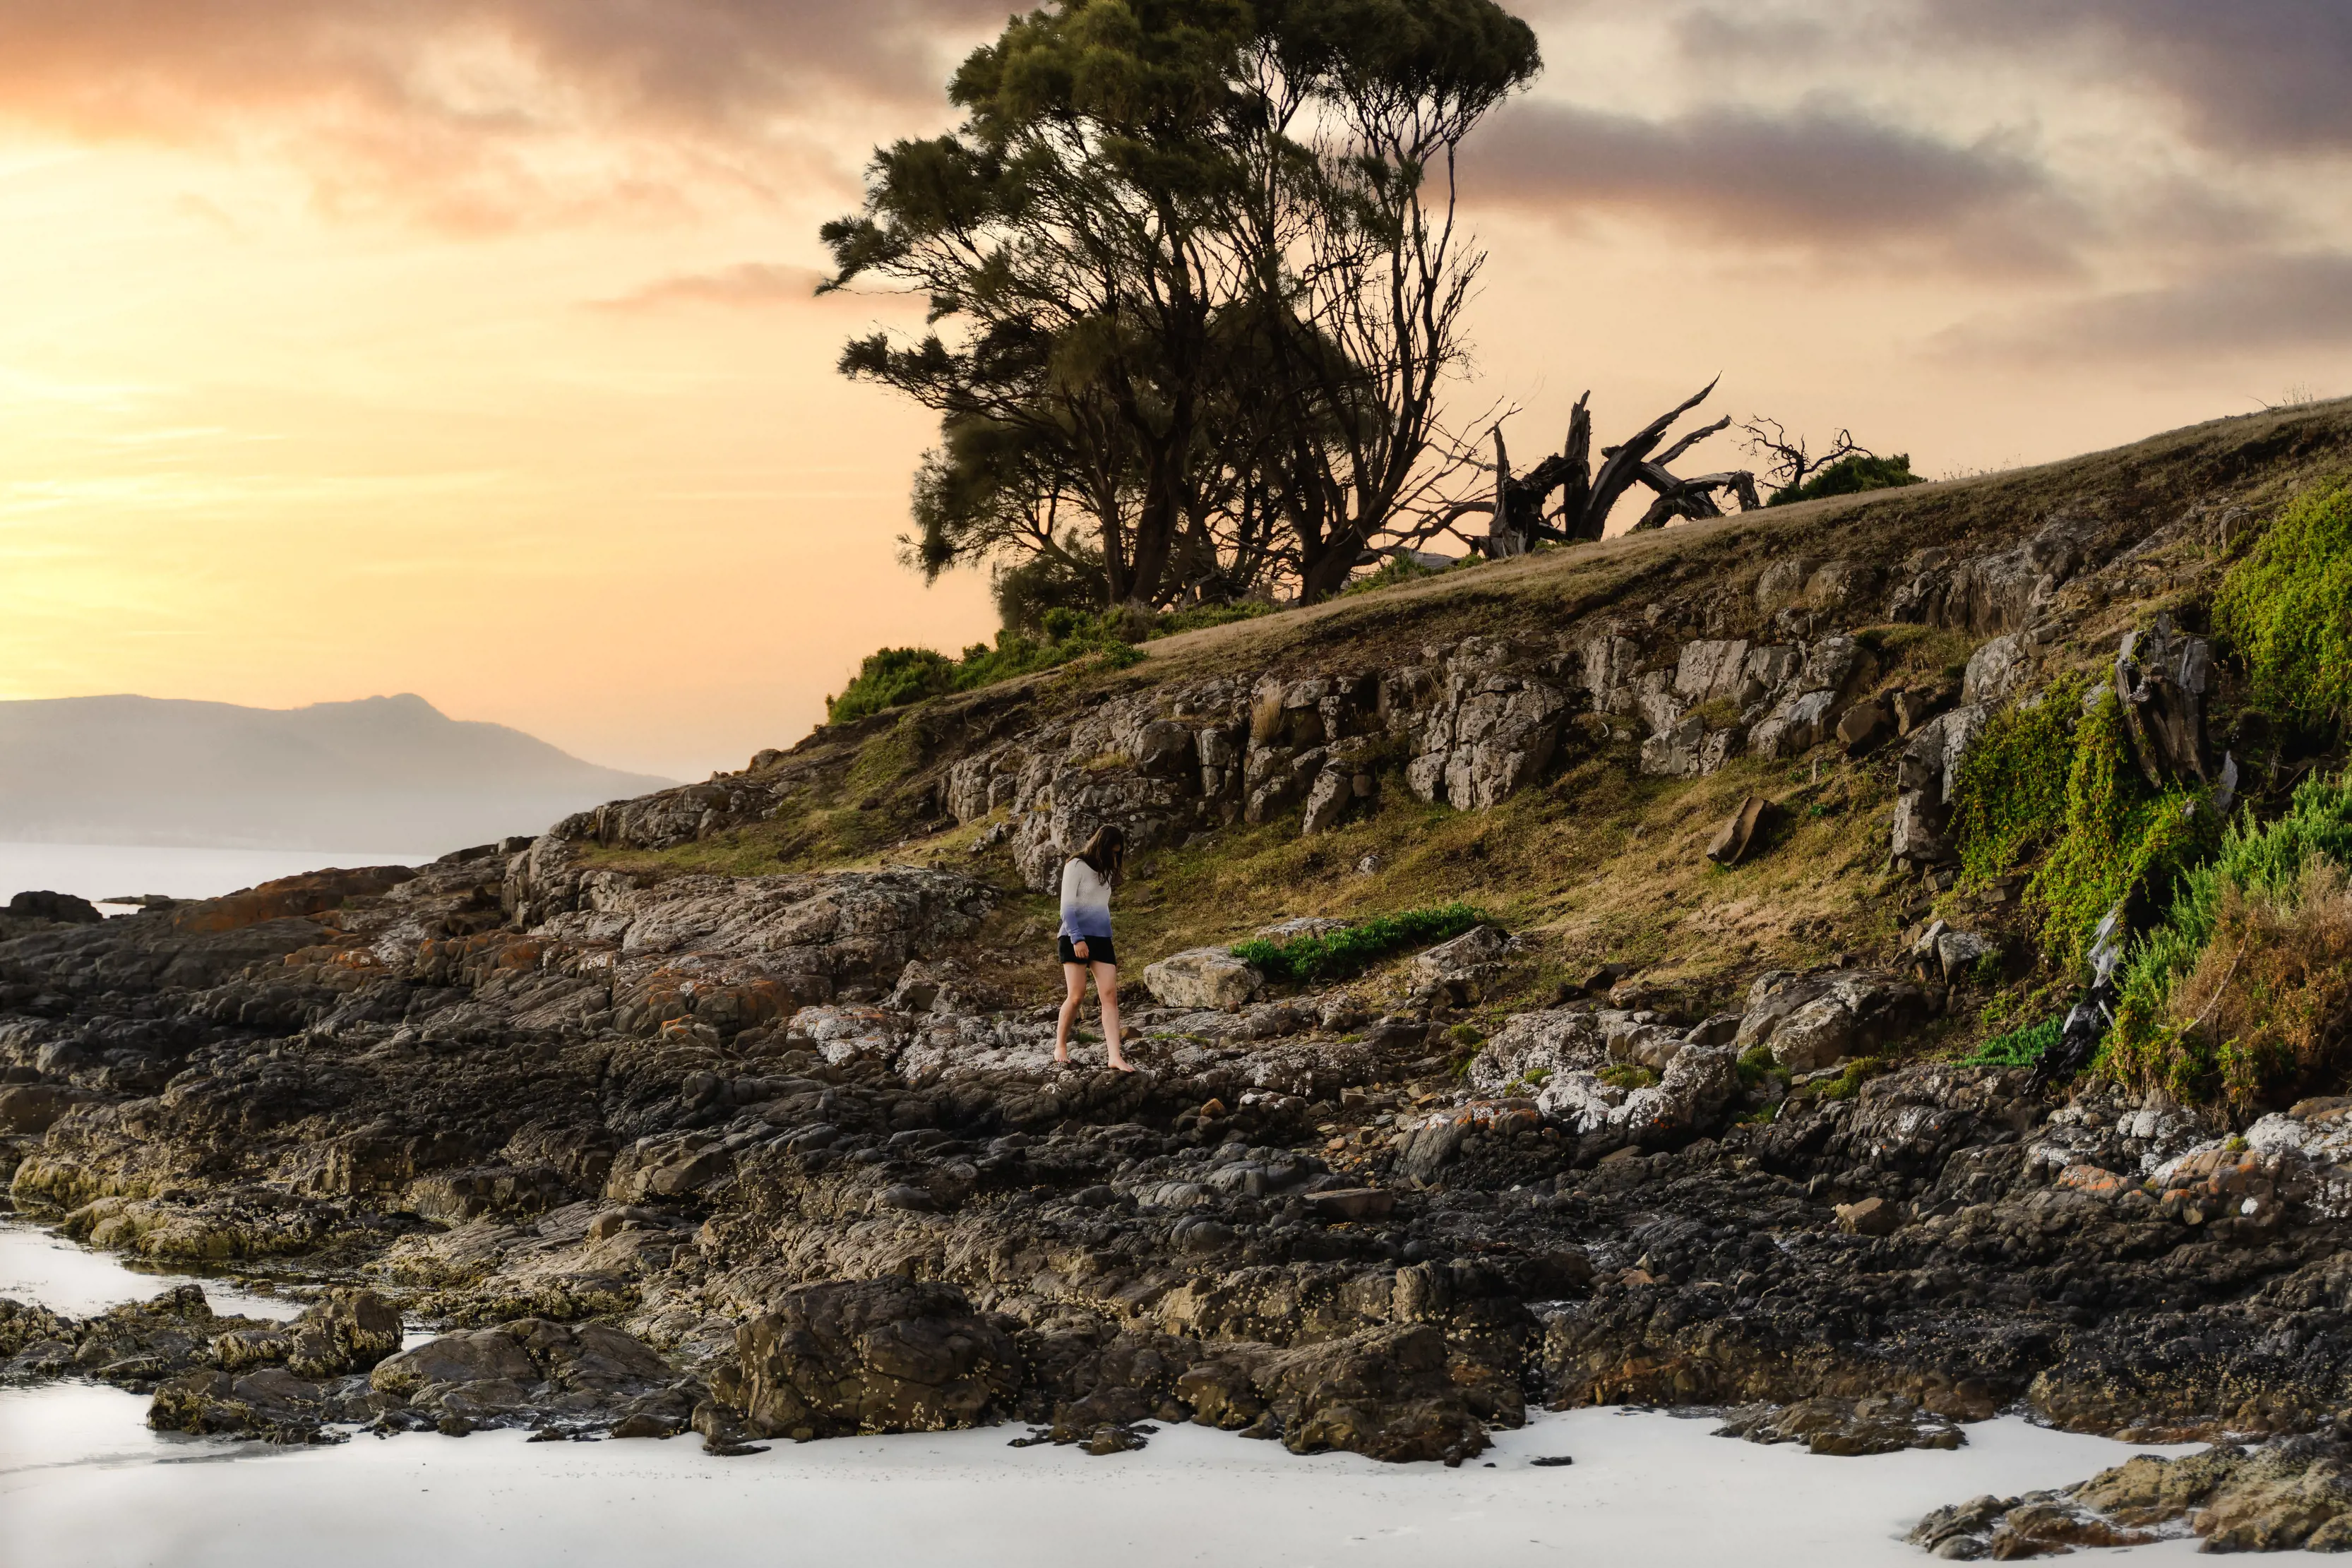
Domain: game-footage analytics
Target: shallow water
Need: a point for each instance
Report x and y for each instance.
(82, 1481)
(36, 1266)
(98, 872)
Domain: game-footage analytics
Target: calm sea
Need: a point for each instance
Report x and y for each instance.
(99, 872)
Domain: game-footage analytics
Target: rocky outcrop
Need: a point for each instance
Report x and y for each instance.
(1203, 977)
(1999, 592)
(874, 1355)
(2294, 1495)
(2162, 677)
(1847, 1427)
(1812, 1021)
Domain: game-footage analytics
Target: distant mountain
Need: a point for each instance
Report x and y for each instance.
(385, 773)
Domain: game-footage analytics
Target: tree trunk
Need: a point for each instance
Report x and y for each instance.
(1504, 538)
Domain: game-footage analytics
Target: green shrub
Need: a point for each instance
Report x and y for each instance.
(1626, 1075)
(1850, 476)
(1398, 570)
(1200, 616)
(1757, 1066)
(2010, 798)
(895, 676)
(2122, 840)
(1355, 948)
(2286, 610)
(2052, 773)
(2018, 1047)
(889, 677)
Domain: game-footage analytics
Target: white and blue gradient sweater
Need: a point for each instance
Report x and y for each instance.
(1086, 901)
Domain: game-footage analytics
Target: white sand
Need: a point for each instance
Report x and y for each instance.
(82, 1483)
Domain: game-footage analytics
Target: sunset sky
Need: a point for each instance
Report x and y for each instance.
(466, 346)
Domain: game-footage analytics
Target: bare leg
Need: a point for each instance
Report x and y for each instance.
(1106, 988)
(1075, 976)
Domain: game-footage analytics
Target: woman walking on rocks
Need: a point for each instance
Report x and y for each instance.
(1086, 939)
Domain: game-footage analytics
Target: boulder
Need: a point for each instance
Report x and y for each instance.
(1946, 954)
(1796, 725)
(1813, 1036)
(64, 907)
(1423, 1151)
(1543, 1044)
(1740, 833)
(1696, 1085)
(1863, 728)
(1461, 971)
(1811, 1021)
(1917, 837)
(1327, 800)
(1996, 670)
(471, 1355)
(1870, 1216)
(1203, 977)
(869, 1355)
(1388, 1393)
(1914, 705)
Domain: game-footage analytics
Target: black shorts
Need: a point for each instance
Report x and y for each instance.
(1099, 951)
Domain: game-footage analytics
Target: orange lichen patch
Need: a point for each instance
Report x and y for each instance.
(337, 955)
(447, 960)
(2096, 1180)
(2220, 1173)
(313, 892)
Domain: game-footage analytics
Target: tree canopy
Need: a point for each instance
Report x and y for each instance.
(1194, 279)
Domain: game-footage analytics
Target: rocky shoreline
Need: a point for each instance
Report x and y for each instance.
(1296, 1222)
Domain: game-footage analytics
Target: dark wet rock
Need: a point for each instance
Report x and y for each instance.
(581, 1377)
(64, 909)
(872, 1355)
(1828, 1425)
(1386, 1393)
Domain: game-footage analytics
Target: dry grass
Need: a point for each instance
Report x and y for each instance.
(2270, 997)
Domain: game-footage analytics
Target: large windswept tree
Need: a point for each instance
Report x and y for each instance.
(1195, 282)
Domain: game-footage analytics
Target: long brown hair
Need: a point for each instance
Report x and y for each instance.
(1106, 853)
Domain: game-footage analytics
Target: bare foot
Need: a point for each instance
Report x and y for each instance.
(1120, 1064)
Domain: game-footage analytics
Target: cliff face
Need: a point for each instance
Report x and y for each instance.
(759, 1072)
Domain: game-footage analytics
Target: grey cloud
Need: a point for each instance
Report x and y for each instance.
(2249, 74)
(2261, 306)
(1819, 177)
(438, 107)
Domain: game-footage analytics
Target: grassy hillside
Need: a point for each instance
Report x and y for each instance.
(1596, 863)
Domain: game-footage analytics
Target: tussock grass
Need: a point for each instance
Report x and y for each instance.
(2244, 992)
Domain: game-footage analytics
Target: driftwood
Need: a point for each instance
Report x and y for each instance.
(1519, 513)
